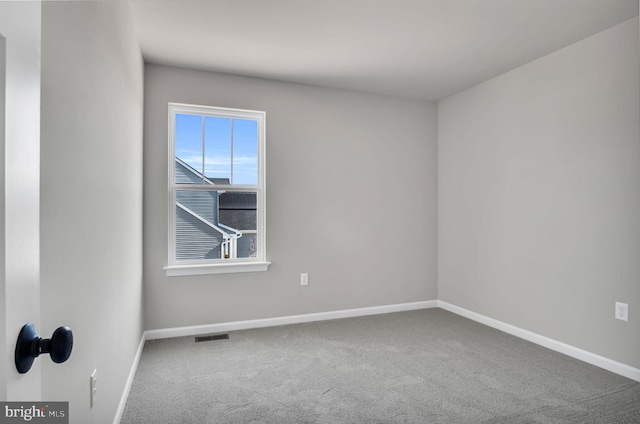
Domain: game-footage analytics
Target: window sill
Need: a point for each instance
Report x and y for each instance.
(204, 269)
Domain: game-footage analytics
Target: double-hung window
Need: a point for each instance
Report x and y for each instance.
(216, 190)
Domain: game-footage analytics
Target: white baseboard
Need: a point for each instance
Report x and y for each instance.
(286, 320)
(574, 352)
(127, 386)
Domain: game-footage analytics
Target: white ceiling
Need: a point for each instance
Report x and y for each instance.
(425, 49)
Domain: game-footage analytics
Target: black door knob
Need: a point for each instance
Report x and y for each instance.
(30, 346)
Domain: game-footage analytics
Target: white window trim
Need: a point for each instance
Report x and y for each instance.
(217, 266)
(204, 269)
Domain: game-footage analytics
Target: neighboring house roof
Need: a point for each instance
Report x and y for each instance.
(237, 200)
(238, 210)
(218, 180)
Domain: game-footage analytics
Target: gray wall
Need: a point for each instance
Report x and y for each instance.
(91, 199)
(539, 195)
(351, 178)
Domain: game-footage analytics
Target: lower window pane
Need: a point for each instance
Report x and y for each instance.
(215, 225)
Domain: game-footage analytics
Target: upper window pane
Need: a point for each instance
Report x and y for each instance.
(188, 140)
(245, 152)
(216, 150)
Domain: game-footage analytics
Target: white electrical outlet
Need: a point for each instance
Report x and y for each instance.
(304, 279)
(93, 387)
(622, 311)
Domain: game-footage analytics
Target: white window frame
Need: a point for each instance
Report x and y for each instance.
(217, 266)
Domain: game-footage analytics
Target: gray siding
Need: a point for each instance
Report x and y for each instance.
(194, 238)
(185, 175)
(204, 203)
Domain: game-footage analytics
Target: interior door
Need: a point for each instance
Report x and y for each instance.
(3, 331)
(19, 190)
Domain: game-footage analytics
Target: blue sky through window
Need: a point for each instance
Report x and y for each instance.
(221, 158)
